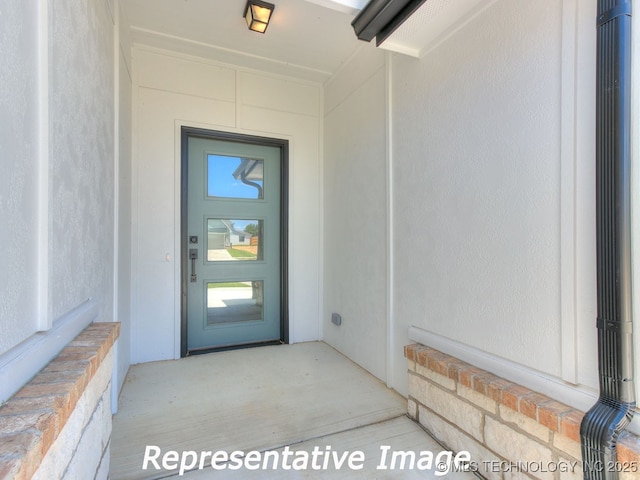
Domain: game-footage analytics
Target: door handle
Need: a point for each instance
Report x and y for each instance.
(193, 256)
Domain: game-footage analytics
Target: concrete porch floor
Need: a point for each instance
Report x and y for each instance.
(301, 396)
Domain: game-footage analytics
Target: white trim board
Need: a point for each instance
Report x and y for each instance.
(568, 319)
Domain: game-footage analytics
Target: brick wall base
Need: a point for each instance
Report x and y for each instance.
(510, 431)
(59, 424)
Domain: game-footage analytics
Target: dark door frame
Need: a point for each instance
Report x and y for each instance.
(283, 145)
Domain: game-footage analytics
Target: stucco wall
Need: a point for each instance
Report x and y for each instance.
(19, 180)
(493, 147)
(81, 158)
(58, 197)
(170, 91)
(491, 198)
(56, 147)
(355, 210)
(477, 186)
(492, 173)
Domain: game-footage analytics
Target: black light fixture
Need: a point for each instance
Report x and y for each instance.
(257, 14)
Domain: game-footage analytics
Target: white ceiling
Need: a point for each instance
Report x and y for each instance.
(434, 21)
(308, 39)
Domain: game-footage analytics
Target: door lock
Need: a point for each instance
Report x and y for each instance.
(193, 256)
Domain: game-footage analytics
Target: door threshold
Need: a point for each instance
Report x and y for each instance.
(224, 348)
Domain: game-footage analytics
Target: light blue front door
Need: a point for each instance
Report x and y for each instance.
(233, 268)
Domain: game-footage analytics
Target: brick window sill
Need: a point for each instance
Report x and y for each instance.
(32, 419)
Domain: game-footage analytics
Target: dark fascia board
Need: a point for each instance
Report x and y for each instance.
(380, 18)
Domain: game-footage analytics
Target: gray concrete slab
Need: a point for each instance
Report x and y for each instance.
(297, 397)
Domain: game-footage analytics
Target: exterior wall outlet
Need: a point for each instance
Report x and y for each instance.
(336, 319)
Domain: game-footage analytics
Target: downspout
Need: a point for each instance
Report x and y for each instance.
(245, 172)
(604, 422)
(243, 179)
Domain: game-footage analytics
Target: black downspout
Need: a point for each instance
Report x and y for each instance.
(614, 410)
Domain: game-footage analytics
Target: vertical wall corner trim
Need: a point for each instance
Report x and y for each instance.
(568, 168)
(390, 344)
(44, 321)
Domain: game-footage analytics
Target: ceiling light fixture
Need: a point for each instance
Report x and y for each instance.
(258, 13)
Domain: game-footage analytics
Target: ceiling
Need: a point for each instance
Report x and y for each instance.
(308, 39)
(433, 22)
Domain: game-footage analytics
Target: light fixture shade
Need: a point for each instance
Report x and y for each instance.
(258, 14)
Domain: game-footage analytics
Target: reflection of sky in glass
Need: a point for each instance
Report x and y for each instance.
(221, 182)
(242, 224)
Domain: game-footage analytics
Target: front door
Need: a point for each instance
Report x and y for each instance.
(233, 255)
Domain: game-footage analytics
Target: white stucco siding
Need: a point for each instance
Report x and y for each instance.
(81, 239)
(355, 213)
(57, 199)
(19, 180)
(57, 146)
(476, 164)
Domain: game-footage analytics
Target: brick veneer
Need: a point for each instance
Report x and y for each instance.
(495, 418)
(31, 420)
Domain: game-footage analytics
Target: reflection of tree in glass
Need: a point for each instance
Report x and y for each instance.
(252, 229)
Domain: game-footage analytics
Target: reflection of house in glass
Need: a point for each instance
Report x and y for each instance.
(226, 242)
(221, 234)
